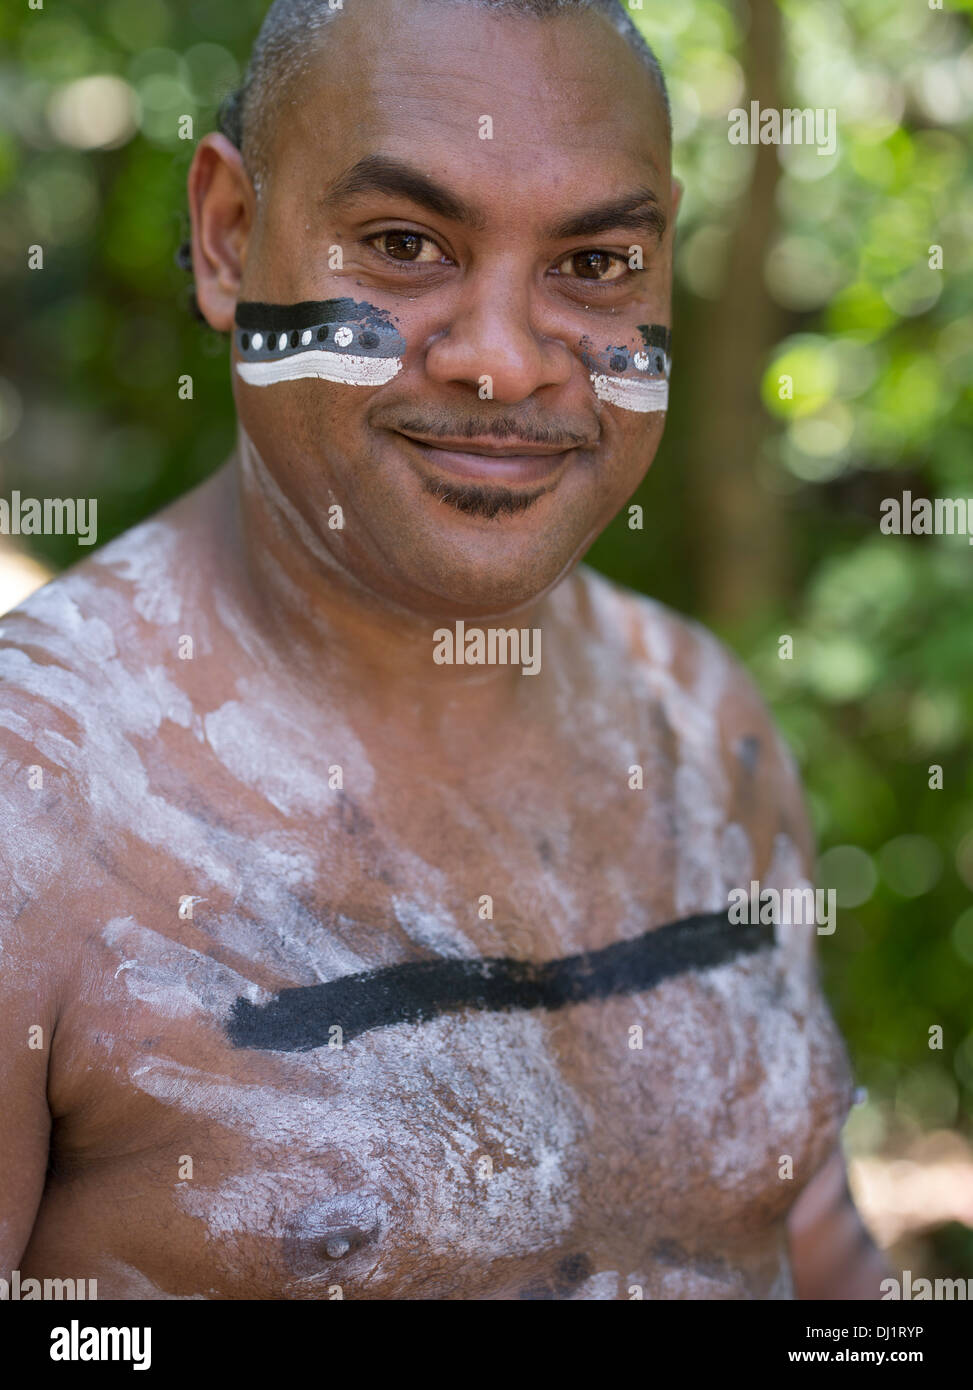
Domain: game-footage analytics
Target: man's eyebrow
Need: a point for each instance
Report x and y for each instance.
(639, 211)
(378, 173)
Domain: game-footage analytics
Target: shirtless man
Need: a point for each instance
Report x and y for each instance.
(234, 761)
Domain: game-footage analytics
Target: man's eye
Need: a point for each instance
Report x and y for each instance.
(594, 265)
(407, 246)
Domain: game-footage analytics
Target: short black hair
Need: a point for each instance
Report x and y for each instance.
(286, 44)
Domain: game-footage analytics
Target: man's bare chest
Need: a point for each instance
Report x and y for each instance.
(461, 1150)
(243, 841)
(468, 1147)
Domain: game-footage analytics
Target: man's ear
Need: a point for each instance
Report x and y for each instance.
(676, 197)
(221, 205)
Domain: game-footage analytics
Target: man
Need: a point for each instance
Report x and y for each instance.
(366, 863)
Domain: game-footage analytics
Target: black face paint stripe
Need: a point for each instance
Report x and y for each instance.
(298, 1020)
(278, 333)
(284, 318)
(656, 335)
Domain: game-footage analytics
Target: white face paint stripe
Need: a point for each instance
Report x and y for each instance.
(632, 394)
(328, 366)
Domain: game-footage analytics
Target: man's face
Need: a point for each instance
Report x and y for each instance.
(475, 476)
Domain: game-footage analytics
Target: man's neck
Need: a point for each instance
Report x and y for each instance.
(345, 641)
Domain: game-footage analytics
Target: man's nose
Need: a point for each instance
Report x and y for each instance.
(493, 343)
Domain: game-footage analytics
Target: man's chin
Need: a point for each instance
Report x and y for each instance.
(442, 545)
(484, 576)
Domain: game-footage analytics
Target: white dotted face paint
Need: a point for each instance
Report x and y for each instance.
(637, 381)
(333, 340)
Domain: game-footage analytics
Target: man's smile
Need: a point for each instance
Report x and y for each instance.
(514, 462)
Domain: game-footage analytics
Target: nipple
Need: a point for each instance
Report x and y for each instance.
(330, 1229)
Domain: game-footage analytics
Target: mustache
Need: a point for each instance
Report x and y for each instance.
(444, 425)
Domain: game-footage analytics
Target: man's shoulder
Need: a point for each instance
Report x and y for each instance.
(86, 670)
(129, 600)
(647, 636)
(72, 654)
(705, 693)
(43, 812)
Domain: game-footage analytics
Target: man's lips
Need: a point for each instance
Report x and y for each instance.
(511, 462)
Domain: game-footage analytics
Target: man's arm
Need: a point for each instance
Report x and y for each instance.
(832, 1254)
(29, 942)
(26, 1123)
(26, 1027)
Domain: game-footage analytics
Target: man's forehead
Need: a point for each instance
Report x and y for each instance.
(550, 108)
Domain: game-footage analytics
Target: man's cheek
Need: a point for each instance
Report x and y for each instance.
(635, 379)
(635, 441)
(335, 340)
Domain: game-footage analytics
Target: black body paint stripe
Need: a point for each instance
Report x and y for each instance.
(655, 335)
(298, 1020)
(283, 318)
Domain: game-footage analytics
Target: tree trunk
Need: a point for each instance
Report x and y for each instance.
(737, 522)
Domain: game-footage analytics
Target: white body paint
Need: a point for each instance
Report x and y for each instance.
(404, 1120)
(643, 396)
(398, 1119)
(327, 366)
